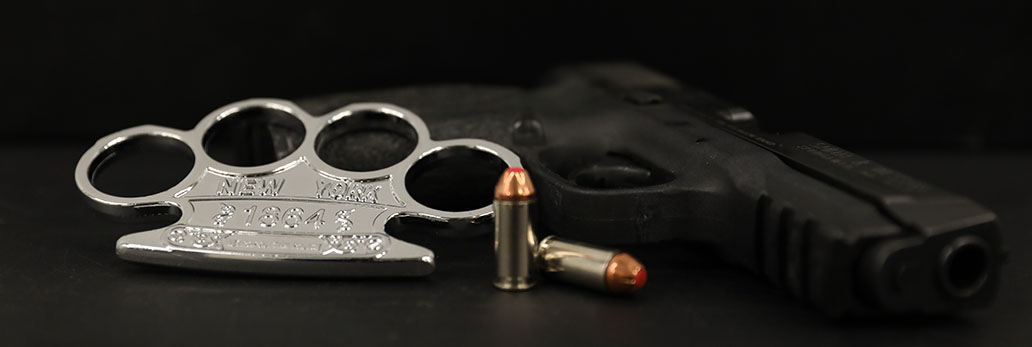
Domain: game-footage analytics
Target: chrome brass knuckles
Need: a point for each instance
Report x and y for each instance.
(295, 215)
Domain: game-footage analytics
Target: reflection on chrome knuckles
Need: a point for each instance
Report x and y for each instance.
(294, 215)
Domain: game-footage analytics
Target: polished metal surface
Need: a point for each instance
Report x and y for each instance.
(514, 245)
(574, 262)
(295, 216)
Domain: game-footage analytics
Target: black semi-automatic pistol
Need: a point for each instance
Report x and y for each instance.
(622, 154)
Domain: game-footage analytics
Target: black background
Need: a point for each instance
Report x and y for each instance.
(917, 74)
(936, 90)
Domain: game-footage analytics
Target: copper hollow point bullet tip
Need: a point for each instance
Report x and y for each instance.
(624, 274)
(515, 242)
(514, 185)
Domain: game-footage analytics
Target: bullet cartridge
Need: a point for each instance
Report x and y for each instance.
(515, 242)
(590, 266)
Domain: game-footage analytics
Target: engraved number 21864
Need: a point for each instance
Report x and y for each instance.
(271, 216)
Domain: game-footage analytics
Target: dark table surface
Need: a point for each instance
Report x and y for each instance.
(60, 282)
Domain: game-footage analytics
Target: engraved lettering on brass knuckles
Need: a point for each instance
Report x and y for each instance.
(297, 215)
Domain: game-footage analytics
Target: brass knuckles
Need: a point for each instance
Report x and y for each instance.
(295, 216)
